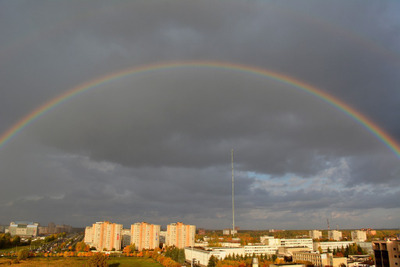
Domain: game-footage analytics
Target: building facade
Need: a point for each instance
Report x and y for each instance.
(126, 237)
(145, 235)
(315, 234)
(104, 236)
(358, 236)
(319, 260)
(335, 235)
(23, 229)
(180, 235)
(387, 253)
(325, 246)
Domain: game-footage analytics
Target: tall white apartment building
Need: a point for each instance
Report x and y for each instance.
(334, 235)
(315, 234)
(104, 236)
(180, 235)
(145, 235)
(358, 236)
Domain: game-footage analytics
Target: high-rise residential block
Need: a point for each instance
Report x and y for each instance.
(334, 235)
(315, 234)
(104, 236)
(180, 235)
(358, 236)
(145, 235)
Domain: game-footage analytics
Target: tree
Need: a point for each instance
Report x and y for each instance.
(98, 260)
(181, 256)
(23, 254)
(80, 246)
(212, 262)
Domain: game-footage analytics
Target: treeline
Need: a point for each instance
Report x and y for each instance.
(176, 254)
(243, 261)
(352, 249)
(8, 241)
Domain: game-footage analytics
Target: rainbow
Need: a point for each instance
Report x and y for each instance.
(372, 127)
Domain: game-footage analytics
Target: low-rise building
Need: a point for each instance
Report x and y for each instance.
(259, 250)
(319, 260)
(287, 242)
(331, 245)
(297, 243)
(201, 255)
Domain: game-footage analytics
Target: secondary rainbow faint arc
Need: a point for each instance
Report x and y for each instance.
(333, 101)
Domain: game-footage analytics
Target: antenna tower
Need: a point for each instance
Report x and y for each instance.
(233, 197)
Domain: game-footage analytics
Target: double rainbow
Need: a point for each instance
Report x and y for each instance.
(372, 127)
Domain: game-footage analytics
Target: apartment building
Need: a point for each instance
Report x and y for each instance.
(104, 236)
(358, 236)
(387, 253)
(315, 234)
(125, 237)
(335, 235)
(180, 235)
(145, 235)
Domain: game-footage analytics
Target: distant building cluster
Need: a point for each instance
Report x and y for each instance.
(312, 249)
(52, 228)
(27, 229)
(107, 236)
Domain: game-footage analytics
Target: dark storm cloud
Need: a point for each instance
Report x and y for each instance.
(156, 146)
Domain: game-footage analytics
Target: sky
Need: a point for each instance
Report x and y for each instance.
(156, 145)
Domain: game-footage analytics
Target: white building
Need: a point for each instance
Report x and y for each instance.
(287, 242)
(358, 236)
(315, 234)
(259, 250)
(202, 256)
(335, 235)
(23, 229)
(297, 242)
(331, 245)
(319, 260)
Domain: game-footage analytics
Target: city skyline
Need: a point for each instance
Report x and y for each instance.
(128, 112)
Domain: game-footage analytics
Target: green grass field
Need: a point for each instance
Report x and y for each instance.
(75, 261)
